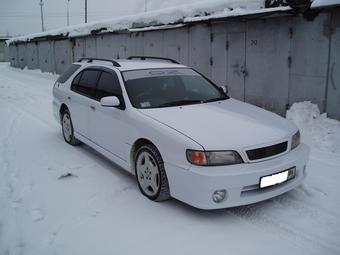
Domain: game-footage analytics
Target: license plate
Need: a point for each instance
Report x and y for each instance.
(274, 179)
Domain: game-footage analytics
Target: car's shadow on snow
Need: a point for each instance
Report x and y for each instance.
(107, 164)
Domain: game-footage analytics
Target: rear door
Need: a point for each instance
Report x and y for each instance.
(108, 124)
(84, 89)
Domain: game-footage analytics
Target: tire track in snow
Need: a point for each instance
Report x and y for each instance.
(10, 174)
(31, 100)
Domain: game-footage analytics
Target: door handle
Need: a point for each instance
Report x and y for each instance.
(93, 108)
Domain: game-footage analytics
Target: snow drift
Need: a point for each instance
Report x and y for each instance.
(316, 129)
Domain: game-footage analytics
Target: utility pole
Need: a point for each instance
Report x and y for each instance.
(68, 12)
(145, 5)
(42, 15)
(85, 11)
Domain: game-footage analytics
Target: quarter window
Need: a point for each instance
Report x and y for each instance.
(76, 79)
(68, 73)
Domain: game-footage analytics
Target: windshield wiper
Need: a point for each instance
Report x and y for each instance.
(215, 99)
(181, 102)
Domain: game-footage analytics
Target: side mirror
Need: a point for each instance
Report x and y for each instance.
(225, 89)
(111, 101)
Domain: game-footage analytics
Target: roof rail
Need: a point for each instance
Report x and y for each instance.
(156, 58)
(89, 60)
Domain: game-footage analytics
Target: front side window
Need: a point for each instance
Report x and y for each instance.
(169, 87)
(85, 82)
(108, 85)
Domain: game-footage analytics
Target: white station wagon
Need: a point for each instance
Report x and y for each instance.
(178, 133)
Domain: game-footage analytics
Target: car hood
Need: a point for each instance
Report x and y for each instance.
(222, 125)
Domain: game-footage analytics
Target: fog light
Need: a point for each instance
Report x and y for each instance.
(219, 195)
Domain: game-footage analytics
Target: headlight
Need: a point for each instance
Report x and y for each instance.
(295, 140)
(213, 158)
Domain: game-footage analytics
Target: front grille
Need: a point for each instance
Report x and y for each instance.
(266, 152)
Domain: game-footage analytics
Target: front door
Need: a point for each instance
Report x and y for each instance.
(107, 124)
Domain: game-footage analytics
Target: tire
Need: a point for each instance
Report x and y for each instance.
(150, 173)
(67, 128)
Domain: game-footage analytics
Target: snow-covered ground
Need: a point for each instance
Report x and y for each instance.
(101, 211)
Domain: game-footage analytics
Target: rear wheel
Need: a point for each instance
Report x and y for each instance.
(150, 173)
(67, 128)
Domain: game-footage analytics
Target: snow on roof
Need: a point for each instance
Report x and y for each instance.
(166, 18)
(173, 15)
(324, 3)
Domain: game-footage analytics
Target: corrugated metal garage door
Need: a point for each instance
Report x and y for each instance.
(309, 58)
(120, 46)
(236, 70)
(219, 59)
(153, 43)
(267, 67)
(63, 55)
(200, 49)
(175, 45)
(22, 55)
(46, 56)
(90, 47)
(32, 56)
(13, 55)
(135, 43)
(228, 57)
(105, 46)
(79, 49)
(333, 102)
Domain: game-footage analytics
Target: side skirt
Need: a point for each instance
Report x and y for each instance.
(115, 159)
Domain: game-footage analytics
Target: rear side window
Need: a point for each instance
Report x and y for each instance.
(68, 73)
(85, 83)
(108, 85)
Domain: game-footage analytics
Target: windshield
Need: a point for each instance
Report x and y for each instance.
(169, 87)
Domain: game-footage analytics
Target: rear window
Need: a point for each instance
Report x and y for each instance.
(67, 74)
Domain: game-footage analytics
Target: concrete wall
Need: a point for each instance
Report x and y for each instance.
(270, 62)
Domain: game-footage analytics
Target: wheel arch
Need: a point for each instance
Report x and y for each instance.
(62, 108)
(134, 148)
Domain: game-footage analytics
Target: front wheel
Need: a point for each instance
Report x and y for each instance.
(67, 128)
(150, 173)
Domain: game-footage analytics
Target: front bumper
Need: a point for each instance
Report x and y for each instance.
(197, 185)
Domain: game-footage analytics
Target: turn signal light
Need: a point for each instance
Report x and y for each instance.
(197, 157)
